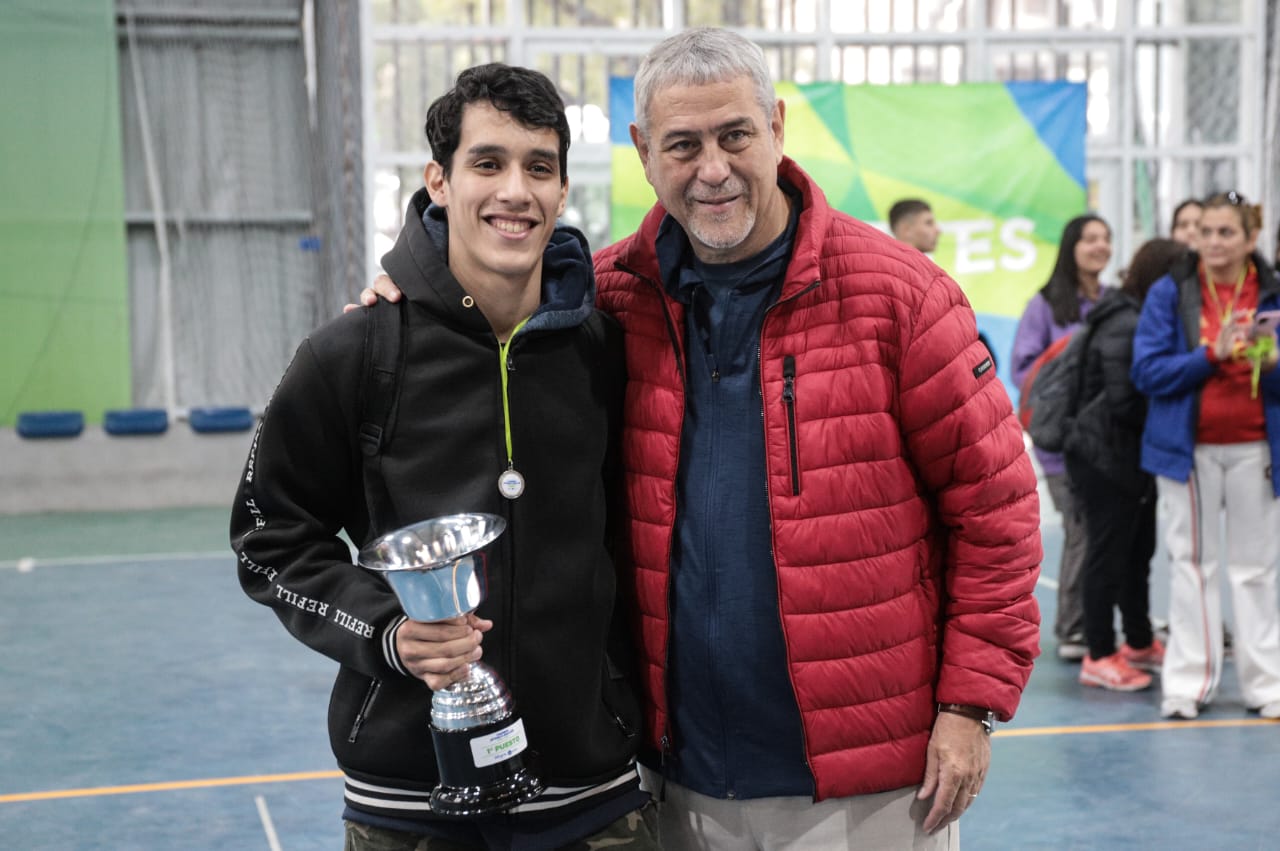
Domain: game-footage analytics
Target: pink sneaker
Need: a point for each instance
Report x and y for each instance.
(1146, 659)
(1114, 673)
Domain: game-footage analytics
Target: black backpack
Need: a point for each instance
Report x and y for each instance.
(1053, 398)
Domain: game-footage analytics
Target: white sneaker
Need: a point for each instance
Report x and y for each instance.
(1073, 648)
(1270, 710)
(1184, 709)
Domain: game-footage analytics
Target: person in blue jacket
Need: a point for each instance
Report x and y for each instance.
(1211, 436)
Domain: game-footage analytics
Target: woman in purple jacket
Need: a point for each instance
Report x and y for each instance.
(1056, 310)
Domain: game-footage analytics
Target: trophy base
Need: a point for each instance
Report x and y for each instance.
(517, 788)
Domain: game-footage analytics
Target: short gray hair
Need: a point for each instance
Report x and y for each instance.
(699, 56)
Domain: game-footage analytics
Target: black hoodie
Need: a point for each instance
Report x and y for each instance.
(558, 639)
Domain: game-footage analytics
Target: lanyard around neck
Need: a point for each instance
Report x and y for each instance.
(1225, 313)
(510, 483)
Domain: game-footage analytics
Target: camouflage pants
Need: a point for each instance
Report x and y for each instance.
(637, 831)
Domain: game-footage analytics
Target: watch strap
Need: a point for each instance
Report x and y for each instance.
(985, 717)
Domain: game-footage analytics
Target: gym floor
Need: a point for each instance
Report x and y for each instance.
(148, 704)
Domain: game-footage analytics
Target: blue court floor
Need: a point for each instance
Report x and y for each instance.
(146, 703)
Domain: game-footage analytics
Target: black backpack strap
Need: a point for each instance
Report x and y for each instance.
(383, 368)
(1087, 329)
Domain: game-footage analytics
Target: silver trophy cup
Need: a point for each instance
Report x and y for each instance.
(437, 569)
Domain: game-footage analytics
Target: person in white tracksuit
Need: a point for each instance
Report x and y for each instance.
(1212, 432)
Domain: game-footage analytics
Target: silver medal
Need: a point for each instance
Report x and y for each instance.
(511, 484)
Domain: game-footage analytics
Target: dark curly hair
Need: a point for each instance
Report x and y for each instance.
(527, 95)
(1151, 262)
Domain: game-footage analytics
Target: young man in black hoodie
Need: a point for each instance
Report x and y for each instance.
(507, 367)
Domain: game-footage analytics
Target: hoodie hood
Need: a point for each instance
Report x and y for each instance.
(568, 282)
(1113, 302)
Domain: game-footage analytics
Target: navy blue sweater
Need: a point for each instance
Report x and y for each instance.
(737, 731)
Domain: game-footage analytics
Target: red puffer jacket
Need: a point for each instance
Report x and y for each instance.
(904, 512)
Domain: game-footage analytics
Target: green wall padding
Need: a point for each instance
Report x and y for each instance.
(64, 298)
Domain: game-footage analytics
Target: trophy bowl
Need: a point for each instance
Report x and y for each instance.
(437, 569)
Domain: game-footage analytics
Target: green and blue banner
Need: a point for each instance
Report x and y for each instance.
(1002, 166)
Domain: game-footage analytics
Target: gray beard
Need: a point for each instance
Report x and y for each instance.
(723, 242)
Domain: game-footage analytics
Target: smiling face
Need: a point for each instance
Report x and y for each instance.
(711, 155)
(503, 195)
(1224, 243)
(1093, 251)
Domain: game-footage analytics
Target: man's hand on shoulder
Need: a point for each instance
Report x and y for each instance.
(382, 287)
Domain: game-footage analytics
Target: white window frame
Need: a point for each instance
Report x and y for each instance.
(590, 162)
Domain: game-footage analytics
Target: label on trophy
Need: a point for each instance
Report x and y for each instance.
(511, 484)
(499, 746)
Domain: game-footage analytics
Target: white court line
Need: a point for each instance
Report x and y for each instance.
(29, 563)
(273, 841)
(1047, 582)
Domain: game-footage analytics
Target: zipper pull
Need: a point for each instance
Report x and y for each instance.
(662, 767)
(789, 401)
(623, 725)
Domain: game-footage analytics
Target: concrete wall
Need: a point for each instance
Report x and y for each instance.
(100, 472)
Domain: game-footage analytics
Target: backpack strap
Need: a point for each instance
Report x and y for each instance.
(384, 363)
(1086, 330)
(383, 369)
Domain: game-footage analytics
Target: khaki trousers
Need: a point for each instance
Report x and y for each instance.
(688, 821)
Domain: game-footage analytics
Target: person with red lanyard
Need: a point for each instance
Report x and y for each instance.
(1212, 431)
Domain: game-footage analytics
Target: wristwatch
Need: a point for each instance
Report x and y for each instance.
(985, 717)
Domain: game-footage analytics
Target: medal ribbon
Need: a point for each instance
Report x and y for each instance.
(503, 348)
